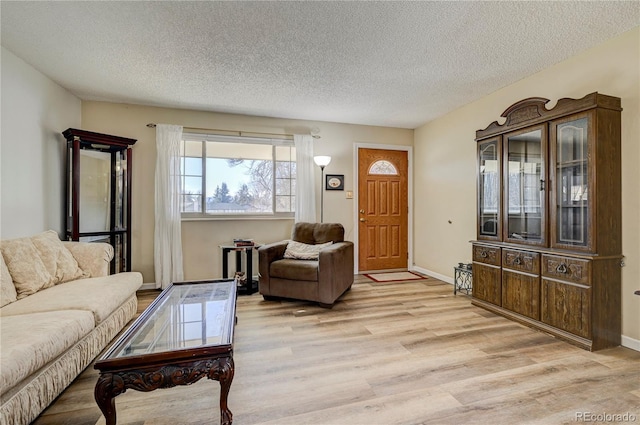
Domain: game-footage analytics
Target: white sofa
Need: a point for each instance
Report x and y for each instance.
(59, 309)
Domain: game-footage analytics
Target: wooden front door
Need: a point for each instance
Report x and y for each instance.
(382, 209)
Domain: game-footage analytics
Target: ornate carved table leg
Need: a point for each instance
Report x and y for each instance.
(224, 373)
(107, 388)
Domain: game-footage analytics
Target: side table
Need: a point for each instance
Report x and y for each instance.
(252, 284)
(462, 278)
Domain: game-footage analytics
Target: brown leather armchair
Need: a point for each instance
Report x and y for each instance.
(323, 280)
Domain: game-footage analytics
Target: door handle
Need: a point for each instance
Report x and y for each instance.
(363, 220)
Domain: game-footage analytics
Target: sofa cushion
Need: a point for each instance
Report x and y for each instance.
(27, 270)
(303, 251)
(100, 295)
(30, 341)
(57, 258)
(295, 269)
(8, 294)
(92, 257)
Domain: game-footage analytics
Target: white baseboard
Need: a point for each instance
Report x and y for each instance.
(631, 343)
(145, 286)
(439, 276)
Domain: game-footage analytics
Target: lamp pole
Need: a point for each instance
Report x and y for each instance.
(322, 161)
(322, 194)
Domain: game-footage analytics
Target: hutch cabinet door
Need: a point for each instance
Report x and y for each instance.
(521, 282)
(521, 293)
(524, 186)
(567, 306)
(487, 285)
(487, 282)
(489, 189)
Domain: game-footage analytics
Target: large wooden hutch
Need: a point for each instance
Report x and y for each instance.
(549, 245)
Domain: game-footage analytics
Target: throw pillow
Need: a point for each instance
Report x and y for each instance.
(27, 270)
(303, 251)
(8, 294)
(57, 258)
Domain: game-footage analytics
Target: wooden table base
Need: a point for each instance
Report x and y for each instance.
(166, 375)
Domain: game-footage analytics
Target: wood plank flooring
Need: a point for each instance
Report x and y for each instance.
(388, 354)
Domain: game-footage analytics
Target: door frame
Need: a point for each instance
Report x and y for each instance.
(356, 195)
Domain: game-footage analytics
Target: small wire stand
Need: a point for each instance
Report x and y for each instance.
(462, 278)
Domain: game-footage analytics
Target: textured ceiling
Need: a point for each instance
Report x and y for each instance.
(397, 64)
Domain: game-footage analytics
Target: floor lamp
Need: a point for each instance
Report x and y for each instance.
(322, 161)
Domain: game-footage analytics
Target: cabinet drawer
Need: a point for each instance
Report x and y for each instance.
(565, 268)
(525, 261)
(486, 254)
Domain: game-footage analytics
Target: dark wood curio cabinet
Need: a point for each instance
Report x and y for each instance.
(98, 200)
(549, 241)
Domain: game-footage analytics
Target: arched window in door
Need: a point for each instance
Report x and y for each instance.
(383, 166)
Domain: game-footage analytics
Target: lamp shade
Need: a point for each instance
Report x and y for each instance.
(322, 161)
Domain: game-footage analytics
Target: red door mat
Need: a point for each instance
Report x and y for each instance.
(395, 276)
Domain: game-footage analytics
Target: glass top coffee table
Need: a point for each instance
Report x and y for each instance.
(186, 334)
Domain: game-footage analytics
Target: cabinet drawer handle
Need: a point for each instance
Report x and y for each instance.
(562, 268)
(517, 261)
(483, 254)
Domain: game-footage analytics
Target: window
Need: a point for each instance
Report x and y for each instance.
(383, 167)
(241, 176)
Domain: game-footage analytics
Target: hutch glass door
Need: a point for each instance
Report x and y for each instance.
(489, 189)
(571, 183)
(524, 180)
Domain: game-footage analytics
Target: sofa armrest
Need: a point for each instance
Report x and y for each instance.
(92, 257)
(335, 270)
(267, 254)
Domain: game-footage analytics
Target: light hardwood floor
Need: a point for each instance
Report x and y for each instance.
(392, 353)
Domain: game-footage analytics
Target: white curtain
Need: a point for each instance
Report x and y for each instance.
(305, 182)
(167, 234)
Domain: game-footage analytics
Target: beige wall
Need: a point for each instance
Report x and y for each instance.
(35, 112)
(202, 257)
(445, 159)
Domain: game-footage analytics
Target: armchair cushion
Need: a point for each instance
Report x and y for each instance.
(295, 269)
(303, 251)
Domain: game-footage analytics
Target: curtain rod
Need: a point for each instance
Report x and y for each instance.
(239, 133)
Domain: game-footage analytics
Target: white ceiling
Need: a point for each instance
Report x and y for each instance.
(397, 64)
